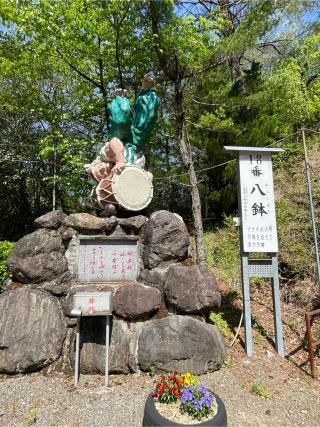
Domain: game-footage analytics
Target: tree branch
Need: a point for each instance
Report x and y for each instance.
(311, 79)
(270, 44)
(216, 104)
(205, 69)
(84, 76)
(100, 64)
(163, 60)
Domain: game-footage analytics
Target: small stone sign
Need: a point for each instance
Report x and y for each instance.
(107, 260)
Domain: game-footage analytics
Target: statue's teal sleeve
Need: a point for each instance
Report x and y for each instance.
(133, 128)
(120, 119)
(146, 112)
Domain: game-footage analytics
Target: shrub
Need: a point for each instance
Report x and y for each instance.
(5, 250)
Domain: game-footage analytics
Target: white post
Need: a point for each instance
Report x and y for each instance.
(106, 378)
(77, 313)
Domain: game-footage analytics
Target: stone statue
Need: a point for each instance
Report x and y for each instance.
(129, 131)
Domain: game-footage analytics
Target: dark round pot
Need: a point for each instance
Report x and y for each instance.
(152, 418)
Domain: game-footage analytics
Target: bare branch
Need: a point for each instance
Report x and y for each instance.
(83, 75)
(270, 44)
(205, 69)
(209, 104)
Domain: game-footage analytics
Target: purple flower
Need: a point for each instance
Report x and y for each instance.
(203, 389)
(196, 400)
(186, 395)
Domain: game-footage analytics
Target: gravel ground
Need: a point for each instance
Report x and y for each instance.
(293, 399)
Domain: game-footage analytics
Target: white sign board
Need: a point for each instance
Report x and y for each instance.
(93, 303)
(107, 260)
(258, 216)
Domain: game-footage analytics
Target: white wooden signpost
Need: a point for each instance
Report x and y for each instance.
(258, 231)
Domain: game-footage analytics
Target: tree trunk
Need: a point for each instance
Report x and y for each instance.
(188, 162)
(234, 59)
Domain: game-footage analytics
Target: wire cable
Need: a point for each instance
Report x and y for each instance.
(224, 163)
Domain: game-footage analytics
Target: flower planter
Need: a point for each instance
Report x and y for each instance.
(152, 418)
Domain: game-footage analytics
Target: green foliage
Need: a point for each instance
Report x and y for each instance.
(5, 250)
(229, 363)
(293, 325)
(293, 212)
(222, 253)
(259, 389)
(61, 61)
(221, 323)
(152, 369)
(32, 417)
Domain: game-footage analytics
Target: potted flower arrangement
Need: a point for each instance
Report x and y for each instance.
(179, 400)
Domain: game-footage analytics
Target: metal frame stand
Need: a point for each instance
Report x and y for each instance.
(77, 359)
(78, 314)
(267, 267)
(106, 372)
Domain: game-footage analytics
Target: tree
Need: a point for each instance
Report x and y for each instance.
(172, 37)
(228, 72)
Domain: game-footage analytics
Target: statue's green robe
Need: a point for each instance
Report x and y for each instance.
(133, 126)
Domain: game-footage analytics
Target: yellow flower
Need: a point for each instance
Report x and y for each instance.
(190, 379)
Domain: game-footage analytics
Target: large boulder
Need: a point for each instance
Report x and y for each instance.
(133, 224)
(38, 257)
(154, 277)
(85, 222)
(93, 349)
(191, 290)
(32, 330)
(51, 219)
(134, 301)
(181, 343)
(166, 239)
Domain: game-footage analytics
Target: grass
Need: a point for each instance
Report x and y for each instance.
(229, 363)
(32, 416)
(259, 389)
(222, 253)
(293, 325)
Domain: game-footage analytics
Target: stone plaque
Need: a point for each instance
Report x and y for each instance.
(107, 260)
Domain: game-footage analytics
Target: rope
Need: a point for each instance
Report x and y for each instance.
(198, 171)
(238, 330)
